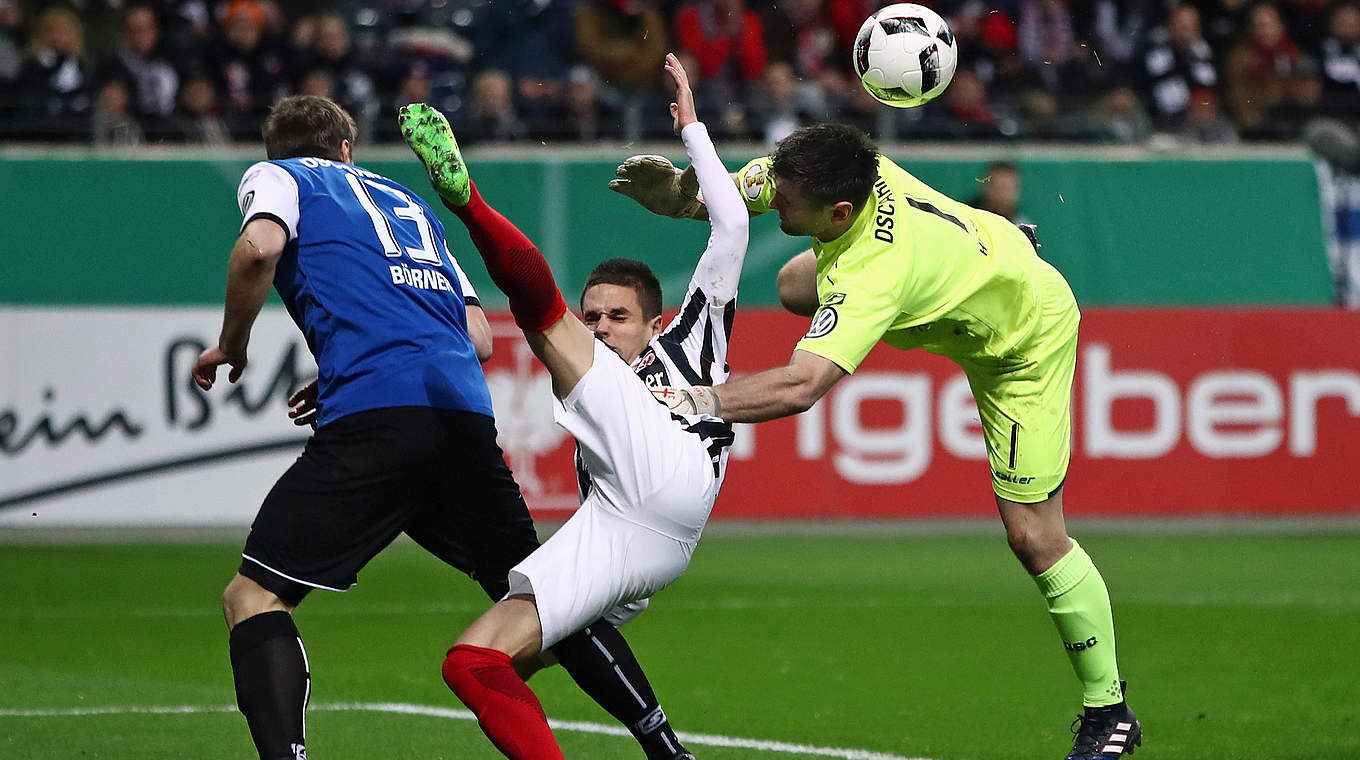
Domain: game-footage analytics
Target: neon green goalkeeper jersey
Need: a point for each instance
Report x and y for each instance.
(917, 269)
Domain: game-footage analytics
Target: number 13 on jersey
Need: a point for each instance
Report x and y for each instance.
(406, 210)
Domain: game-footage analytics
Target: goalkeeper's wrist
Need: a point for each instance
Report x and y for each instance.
(704, 400)
(691, 210)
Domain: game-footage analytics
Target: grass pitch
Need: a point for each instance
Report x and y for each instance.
(934, 646)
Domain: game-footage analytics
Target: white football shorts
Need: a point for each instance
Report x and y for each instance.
(652, 489)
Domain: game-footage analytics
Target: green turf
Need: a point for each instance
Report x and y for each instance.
(1236, 646)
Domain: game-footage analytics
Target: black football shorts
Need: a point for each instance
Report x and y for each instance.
(437, 475)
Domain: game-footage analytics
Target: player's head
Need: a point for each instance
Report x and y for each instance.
(1000, 192)
(299, 126)
(621, 303)
(823, 175)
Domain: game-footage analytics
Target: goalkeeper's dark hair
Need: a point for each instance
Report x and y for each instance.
(307, 125)
(827, 163)
(628, 273)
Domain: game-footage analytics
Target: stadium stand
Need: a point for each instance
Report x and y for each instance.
(1106, 71)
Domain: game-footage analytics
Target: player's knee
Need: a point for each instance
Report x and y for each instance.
(1031, 546)
(455, 669)
(244, 598)
(467, 667)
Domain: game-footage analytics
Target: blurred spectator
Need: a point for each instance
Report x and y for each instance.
(1048, 47)
(966, 113)
(1044, 66)
(351, 84)
(999, 191)
(625, 41)
(531, 42)
(846, 18)
(1306, 20)
(1341, 63)
(1339, 186)
(114, 123)
(1299, 104)
(198, 120)
(1257, 69)
(805, 34)
(11, 29)
(140, 62)
(1177, 61)
(302, 43)
(275, 20)
(415, 88)
(1040, 113)
(491, 114)
(727, 40)
(249, 71)
(54, 80)
(318, 82)
(988, 44)
(1223, 22)
(783, 103)
(424, 58)
(1204, 122)
(588, 115)
(1118, 28)
(1118, 117)
(800, 33)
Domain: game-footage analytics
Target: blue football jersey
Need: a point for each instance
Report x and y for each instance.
(369, 279)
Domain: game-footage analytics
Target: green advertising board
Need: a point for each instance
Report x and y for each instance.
(92, 229)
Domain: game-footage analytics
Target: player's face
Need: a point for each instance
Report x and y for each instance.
(614, 313)
(797, 214)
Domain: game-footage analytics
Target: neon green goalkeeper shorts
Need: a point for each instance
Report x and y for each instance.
(1025, 399)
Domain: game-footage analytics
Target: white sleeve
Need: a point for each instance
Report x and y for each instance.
(268, 191)
(704, 324)
(719, 268)
(469, 294)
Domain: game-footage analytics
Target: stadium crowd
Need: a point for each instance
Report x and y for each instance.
(119, 72)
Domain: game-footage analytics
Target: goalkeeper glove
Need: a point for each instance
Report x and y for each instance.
(660, 187)
(699, 399)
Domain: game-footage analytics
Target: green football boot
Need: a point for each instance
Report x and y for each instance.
(427, 132)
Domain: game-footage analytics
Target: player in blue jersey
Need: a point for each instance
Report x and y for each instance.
(405, 438)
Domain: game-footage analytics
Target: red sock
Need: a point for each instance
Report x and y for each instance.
(506, 708)
(514, 263)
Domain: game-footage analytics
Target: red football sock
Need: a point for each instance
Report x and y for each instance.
(505, 706)
(514, 263)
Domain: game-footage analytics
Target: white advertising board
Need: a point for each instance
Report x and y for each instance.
(100, 423)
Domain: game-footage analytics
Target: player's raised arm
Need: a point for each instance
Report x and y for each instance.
(719, 268)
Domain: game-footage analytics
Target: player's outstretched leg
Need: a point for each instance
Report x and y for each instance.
(513, 261)
(427, 132)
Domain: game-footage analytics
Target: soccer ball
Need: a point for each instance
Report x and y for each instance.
(905, 55)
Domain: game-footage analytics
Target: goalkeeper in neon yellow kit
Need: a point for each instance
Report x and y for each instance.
(896, 261)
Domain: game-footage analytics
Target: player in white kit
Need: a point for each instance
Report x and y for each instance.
(648, 477)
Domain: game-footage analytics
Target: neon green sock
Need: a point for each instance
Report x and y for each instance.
(1080, 606)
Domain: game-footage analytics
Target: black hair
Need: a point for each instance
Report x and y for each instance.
(828, 163)
(628, 273)
(307, 125)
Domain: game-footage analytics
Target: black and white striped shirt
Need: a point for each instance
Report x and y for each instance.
(692, 350)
